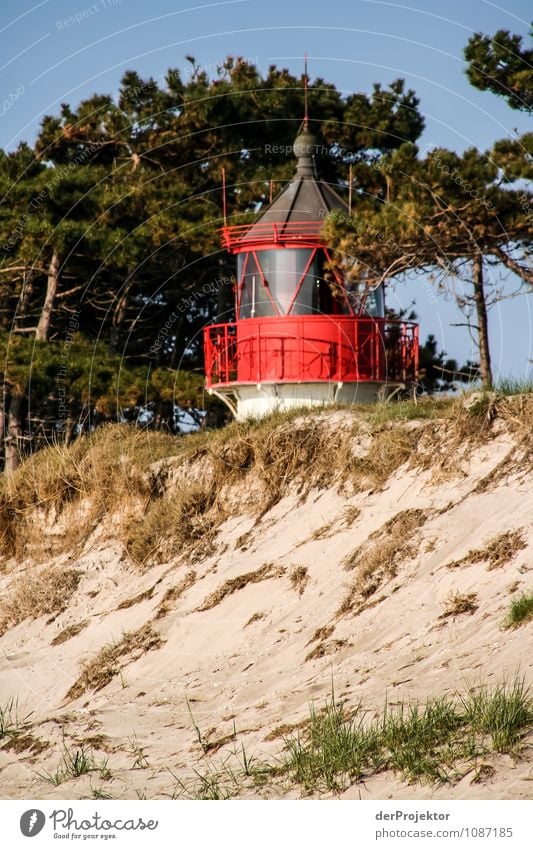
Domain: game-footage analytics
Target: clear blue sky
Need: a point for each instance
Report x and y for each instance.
(351, 43)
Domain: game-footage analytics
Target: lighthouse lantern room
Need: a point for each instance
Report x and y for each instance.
(302, 337)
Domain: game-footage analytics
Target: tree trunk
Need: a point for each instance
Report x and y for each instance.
(13, 431)
(52, 283)
(482, 321)
(3, 422)
(119, 317)
(70, 428)
(179, 346)
(26, 294)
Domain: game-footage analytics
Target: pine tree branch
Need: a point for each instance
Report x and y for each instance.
(10, 269)
(525, 273)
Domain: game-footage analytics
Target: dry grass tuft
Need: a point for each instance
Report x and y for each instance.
(323, 532)
(379, 558)
(323, 649)
(351, 514)
(26, 743)
(38, 592)
(483, 773)
(390, 448)
(513, 462)
(173, 594)
(257, 617)
(170, 525)
(243, 542)
(100, 742)
(516, 411)
(136, 599)
(459, 603)
(322, 634)
(470, 423)
(264, 573)
(109, 467)
(108, 662)
(283, 730)
(302, 453)
(69, 632)
(299, 578)
(498, 551)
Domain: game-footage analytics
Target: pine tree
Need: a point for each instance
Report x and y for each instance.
(501, 64)
(446, 216)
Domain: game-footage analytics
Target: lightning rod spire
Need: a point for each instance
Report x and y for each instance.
(306, 98)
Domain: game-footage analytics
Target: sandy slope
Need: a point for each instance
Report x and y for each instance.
(254, 676)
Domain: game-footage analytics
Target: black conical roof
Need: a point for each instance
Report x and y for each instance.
(305, 199)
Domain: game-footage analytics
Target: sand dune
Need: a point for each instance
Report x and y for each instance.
(339, 585)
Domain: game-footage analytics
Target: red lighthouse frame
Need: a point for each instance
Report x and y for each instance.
(298, 339)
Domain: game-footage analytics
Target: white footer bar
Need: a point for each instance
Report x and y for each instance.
(309, 824)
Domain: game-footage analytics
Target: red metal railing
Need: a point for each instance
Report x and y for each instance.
(292, 232)
(295, 349)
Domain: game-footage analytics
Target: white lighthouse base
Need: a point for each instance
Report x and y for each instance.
(256, 400)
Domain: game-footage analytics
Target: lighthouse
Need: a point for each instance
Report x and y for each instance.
(303, 336)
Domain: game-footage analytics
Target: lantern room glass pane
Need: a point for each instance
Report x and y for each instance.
(254, 299)
(315, 296)
(283, 269)
(373, 304)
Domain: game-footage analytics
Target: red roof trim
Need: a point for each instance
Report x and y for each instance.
(241, 237)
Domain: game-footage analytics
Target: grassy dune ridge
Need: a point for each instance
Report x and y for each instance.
(227, 613)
